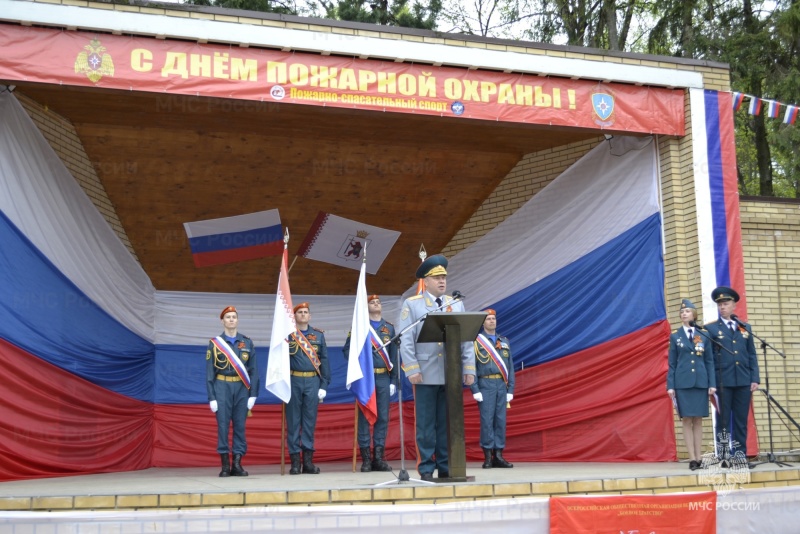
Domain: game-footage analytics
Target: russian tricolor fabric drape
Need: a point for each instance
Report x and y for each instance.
(109, 373)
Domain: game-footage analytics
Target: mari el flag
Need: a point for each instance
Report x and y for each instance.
(340, 241)
(232, 239)
(278, 381)
(360, 373)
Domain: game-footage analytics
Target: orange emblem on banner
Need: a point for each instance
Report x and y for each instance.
(94, 62)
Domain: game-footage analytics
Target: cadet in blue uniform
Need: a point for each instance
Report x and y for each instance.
(737, 367)
(424, 366)
(493, 390)
(383, 363)
(310, 376)
(690, 380)
(232, 384)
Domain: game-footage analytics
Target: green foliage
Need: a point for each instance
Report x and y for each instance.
(397, 13)
(266, 6)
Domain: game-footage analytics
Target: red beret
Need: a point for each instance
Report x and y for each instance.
(301, 305)
(228, 309)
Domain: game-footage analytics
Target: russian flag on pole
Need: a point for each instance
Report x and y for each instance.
(278, 381)
(233, 239)
(773, 109)
(360, 373)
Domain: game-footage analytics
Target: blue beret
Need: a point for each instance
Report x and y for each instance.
(686, 303)
(724, 293)
(432, 266)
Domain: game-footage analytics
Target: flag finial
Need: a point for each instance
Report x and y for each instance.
(422, 253)
(286, 235)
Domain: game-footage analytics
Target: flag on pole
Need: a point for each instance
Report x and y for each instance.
(791, 114)
(333, 239)
(755, 106)
(360, 372)
(738, 98)
(232, 239)
(773, 109)
(278, 382)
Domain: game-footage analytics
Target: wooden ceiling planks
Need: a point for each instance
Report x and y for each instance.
(168, 159)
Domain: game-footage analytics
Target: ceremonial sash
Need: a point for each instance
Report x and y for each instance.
(378, 347)
(233, 359)
(308, 350)
(484, 342)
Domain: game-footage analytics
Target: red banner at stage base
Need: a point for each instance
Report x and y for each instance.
(639, 514)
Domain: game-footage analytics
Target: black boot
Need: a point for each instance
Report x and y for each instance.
(379, 464)
(308, 463)
(498, 460)
(366, 461)
(226, 465)
(487, 459)
(295, 470)
(236, 469)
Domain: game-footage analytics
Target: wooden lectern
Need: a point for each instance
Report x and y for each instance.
(452, 329)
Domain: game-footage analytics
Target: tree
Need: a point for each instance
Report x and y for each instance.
(396, 13)
(286, 7)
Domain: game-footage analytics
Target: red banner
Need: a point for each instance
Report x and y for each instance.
(675, 513)
(179, 67)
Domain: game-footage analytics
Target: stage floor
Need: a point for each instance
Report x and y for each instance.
(201, 487)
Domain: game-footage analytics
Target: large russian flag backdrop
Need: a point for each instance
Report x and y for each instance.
(111, 372)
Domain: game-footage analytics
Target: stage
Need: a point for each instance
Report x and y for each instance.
(200, 487)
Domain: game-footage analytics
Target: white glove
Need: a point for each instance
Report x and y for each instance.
(392, 390)
(251, 402)
(509, 397)
(478, 396)
(321, 394)
(213, 405)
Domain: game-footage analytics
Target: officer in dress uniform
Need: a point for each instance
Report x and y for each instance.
(424, 365)
(493, 390)
(737, 367)
(690, 380)
(386, 373)
(232, 385)
(310, 376)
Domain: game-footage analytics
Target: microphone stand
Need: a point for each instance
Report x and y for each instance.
(724, 455)
(770, 455)
(402, 475)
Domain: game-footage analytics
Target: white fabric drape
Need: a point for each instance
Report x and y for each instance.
(40, 196)
(614, 187)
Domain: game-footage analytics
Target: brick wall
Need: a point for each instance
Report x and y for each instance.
(771, 244)
(62, 137)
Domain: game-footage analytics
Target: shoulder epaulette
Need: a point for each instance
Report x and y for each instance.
(415, 297)
(317, 329)
(675, 331)
(387, 322)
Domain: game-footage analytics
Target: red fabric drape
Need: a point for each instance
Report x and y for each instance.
(53, 423)
(604, 404)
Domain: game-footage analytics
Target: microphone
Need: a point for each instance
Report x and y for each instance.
(696, 326)
(458, 296)
(737, 320)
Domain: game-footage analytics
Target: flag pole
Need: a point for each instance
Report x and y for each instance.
(355, 402)
(292, 265)
(355, 434)
(283, 438)
(283, 404)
